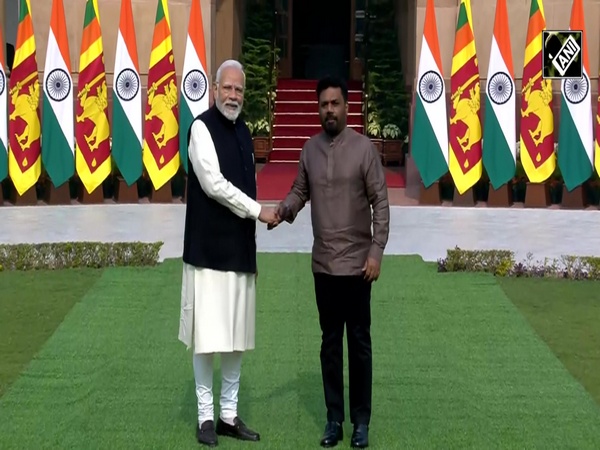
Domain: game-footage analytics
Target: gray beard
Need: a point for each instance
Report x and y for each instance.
(228, 114)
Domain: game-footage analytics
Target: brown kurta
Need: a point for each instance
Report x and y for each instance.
(342, 177)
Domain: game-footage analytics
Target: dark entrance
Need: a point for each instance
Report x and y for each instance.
(321, 44)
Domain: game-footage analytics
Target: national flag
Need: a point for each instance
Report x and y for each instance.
(127, 101)
(161, 130)
(194, 82)
(57, 121)
(575, 132)
(430, 124)
(499, 131)
(537, 120)
(465, 124)
(3, 113)
(92, 155)
(24, 128)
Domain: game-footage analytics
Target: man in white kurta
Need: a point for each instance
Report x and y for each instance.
(218, 307)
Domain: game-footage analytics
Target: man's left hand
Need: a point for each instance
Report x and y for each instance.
(371, 269)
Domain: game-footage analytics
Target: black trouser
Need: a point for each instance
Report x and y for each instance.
(345, 301)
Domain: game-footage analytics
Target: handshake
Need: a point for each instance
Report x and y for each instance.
(274, 216)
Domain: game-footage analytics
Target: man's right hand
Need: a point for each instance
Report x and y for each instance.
(268, 215)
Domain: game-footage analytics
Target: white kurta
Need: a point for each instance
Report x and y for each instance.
(217, 308)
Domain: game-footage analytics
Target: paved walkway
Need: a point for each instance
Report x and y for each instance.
(426, 231)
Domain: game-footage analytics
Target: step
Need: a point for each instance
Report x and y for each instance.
(310, 107)
(311, 119)
(291, 83)
(310, 96)
(289, 142)
(278, 155)
(304, 131)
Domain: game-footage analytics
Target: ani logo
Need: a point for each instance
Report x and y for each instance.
(58, 85)
(194, 85)
(500, 88)
(576, 89)
(127, 84)
(2, 82)
(431, 86)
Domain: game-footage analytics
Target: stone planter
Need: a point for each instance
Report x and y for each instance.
(262, 147)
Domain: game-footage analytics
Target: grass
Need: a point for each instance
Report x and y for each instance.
(457, 364)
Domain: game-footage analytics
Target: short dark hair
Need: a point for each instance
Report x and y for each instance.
(332, 82)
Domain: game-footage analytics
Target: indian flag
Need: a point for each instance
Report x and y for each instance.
(127, 101)
(576, 138)
(429, 138)
(161, 130)
(194, 82)
(537, 119)
(499, 133)
(57, 122)
(465, 155)
(3, 114)
(92, 132)
(24, 128)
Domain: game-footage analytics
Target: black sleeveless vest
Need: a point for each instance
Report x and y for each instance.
(214, 237)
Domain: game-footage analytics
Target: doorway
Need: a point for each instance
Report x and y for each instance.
(321, 41)
(315, 38)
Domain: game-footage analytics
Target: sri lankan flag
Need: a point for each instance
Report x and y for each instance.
(92, 150)
(161, 130)
(24, 128)
(465, 157)
(3, 114)
(537, 119)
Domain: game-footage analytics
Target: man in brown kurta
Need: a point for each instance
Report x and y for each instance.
(340, 172)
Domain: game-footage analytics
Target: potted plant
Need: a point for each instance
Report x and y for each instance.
(386, 80)
(259, 56)
(261, 135)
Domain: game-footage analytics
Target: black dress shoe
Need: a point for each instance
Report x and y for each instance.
(333, 433)
(360, 436)
(238, 430)
(206, 433)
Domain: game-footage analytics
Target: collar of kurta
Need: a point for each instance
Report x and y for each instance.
(335, 140)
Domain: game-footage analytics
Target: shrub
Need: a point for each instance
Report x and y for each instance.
(68, 255)
(502, 263)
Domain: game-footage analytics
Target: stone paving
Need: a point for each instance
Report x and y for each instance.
(426, 231)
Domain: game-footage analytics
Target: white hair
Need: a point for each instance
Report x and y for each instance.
(230, 63)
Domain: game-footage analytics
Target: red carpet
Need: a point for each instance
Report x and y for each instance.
(275, 180)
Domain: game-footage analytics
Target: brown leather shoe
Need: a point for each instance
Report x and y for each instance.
(238, 430)
(205, 433)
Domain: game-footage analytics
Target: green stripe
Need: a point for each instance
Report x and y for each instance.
(3, 161)
(57, 157)
(160, 12)
(462, 17)
(23, 10)
(126, 148)
(497, 157)
(426, 149)
(574, 163)
(534, 7)
(90, 13)
(185, 121)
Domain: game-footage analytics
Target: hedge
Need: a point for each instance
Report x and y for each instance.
(67, 255)
(503, 263)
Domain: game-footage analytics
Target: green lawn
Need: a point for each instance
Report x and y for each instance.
(90, 359)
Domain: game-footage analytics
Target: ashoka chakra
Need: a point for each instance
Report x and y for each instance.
(194, 85)
(500, 88)
(58, 85)
(431, 86)
(576, 89)
(2, 82)
(127, 84)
